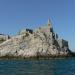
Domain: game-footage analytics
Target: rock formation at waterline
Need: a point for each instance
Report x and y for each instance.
(32, 43)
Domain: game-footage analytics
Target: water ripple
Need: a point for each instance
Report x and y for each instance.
(38, 67)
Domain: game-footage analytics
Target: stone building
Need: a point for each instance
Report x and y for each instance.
(63, 44)
(54, 39)
(24, 31)
(4, 37)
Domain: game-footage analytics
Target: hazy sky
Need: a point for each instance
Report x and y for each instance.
(20, 14)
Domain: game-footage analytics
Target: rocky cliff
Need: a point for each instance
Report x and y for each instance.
(40, 42)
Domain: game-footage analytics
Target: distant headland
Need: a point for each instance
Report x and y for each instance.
(42, 42)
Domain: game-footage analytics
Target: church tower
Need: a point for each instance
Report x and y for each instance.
(50, 25)
(52, 34)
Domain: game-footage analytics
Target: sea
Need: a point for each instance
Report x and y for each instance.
(62, 66)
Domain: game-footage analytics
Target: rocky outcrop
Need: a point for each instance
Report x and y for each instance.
(40, 42)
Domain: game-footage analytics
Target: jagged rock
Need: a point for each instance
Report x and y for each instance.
(29, 43)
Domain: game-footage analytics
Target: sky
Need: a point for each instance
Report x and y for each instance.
(19, 14)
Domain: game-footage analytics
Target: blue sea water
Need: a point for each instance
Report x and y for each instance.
(37, 67)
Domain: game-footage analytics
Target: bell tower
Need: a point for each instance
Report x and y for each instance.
(52, 34)
(49, 23)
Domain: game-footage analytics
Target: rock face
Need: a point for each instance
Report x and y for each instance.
(40, 42)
